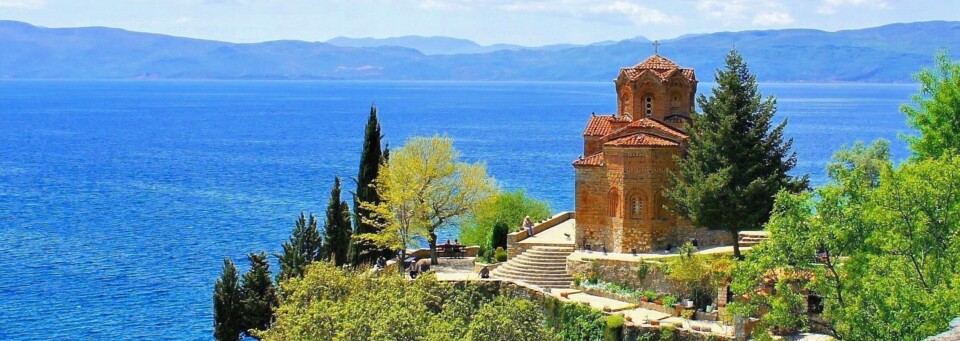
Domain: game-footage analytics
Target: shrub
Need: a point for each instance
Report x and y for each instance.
(500, 255)
(613, 330)
(498, 237)
(669, 300)
(643, 269)
(651, 295)
(668, 333)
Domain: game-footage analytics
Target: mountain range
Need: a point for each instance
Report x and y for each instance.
(890, 53)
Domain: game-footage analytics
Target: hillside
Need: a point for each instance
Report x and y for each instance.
(888, 53)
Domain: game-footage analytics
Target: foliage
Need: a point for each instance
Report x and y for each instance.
(595, 273)
(643, 269)
(304, 247)
(576, 322)
(669, 300)
(337, 228)
(669, 333)
(372, 156)
(498, 237)
(332, 303)
(227, 309)
(259, 298)
(500, 255)
(613, 329)
(508, 209)
(697, 277)
(424, 188)
(879, 244)
(736, 160)
(507, 319)
(936, 111)
(787, 310)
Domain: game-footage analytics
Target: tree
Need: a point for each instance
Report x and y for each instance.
(337, 228)
(736, 162)
(507, 209)
(227, 309)
(371, 159)
(936, 111)
(424, 188)
(304, 247)
(499, 320)
(259, 297)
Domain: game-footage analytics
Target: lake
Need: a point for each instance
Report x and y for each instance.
(120, 199)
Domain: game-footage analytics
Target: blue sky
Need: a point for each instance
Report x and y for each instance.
(485, 21)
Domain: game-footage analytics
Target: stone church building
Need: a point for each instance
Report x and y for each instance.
(627, 157)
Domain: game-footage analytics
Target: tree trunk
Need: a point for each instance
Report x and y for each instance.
(736, 245)
(433, 249)
(400, 257)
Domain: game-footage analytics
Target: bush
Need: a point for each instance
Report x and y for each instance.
(500, 255)
(669, 300)
(498, 238)
(651, 295)
(613, 330)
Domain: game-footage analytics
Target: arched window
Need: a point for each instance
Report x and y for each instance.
(613, 203)
(648, 105)
(636, 207)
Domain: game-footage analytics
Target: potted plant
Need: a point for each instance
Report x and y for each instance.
(654, 322)
(669, 300)
(565, 294)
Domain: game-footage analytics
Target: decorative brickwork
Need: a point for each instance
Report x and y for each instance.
(627, 160)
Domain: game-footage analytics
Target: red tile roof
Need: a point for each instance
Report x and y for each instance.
(661, 67)
(599, 126)
(642, 140)
(592, 160)
(650, 123)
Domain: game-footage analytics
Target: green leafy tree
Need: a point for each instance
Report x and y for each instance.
(227, 308)
(507, 209)
(936, 111)
(372, 156)
(337, 228)
(304, 247)
(259, 294)
(424, 188)
(737, 160)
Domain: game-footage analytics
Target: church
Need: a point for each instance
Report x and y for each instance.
(627, 160)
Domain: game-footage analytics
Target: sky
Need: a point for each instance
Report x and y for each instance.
(524, 22)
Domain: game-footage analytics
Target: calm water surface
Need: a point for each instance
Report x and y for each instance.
(119, 200)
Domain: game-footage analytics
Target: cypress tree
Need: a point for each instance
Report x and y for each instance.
(735, 163)
(371, 156)
(337, 228)
(227, 308)
(259, 294)
(303, 248)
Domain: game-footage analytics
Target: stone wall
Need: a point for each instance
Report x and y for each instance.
(619, 271)
(514, 248)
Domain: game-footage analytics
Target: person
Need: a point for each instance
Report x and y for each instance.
(485, 272)
(381, 263)
(528, 225)
(448, 241)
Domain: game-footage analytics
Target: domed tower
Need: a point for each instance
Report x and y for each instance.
(656, 88)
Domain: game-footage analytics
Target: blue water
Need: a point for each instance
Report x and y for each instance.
(119, 200)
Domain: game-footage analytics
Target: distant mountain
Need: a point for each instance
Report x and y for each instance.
(439, 45)
(890, 53)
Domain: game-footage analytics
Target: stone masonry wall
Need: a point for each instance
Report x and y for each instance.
(619, 271)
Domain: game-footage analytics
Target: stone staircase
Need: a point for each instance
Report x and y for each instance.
(752, 238)
(542, 266)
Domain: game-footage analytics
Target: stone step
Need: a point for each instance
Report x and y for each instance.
(506, 269)
(526, 262)
(545, 257)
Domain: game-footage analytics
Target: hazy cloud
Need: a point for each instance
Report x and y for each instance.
(830, 7)
(25, 4)
(757, 12)
(623, 9)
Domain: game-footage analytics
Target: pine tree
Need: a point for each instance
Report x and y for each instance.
(735, 163)
(227, 308)
(259, 294)
(363, 251)
(304, 247)
(337, 229)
